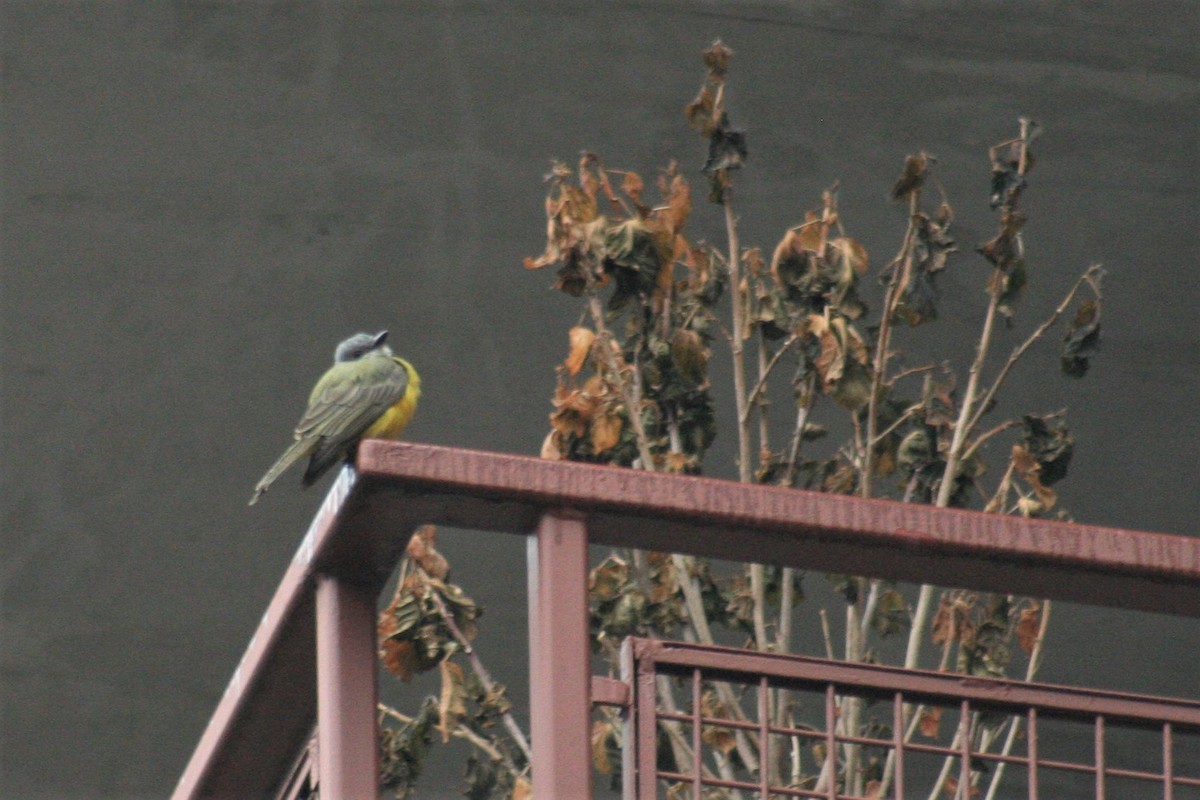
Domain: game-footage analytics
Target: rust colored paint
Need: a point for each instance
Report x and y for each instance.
(347, 747)
(835, 533)
(267, 714)
(269, 707)
(560, 677)
(656, 660)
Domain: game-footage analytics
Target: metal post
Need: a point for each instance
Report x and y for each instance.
(898, 746)
(559, 664)
(348, 753)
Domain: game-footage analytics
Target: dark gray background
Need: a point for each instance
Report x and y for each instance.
(201, 199)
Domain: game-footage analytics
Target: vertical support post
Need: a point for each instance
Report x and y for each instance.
(629, 753)
(646, 705)
(348, 753)
(697, 739)
(898, 746)
(560, 656)
(764, 738)
(964, 775)
(830, 768)
(1031, 739)
(1168, 763)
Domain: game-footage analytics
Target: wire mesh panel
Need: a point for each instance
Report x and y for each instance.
(709, 723)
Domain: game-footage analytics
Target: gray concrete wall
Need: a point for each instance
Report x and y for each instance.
(200, 199)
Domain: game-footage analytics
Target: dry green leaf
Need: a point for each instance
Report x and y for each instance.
(552, 446)
(689, 354)
(601, 731)
(522, 789)
(452, 703)
(929, 722)
(1028, 623)
(580, 339)
(717, 58)
(606, 432)
(422, 550)
(913, 176)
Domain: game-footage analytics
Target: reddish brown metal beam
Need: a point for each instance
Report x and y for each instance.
(1009, 696)
(610, 692)
(268, 710)
(347, 750)
(269, 707)
(560, 709)
(835, 533)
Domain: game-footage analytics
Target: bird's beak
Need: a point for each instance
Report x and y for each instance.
(380, 338)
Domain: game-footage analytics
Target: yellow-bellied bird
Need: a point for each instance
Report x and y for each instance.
(368, 393)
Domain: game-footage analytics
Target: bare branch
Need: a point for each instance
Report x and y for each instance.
(766, 373)
(462, 732)
(485, 678)
(1089, 277)
(631, 398)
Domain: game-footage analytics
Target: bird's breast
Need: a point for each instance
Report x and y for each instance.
(393, 421)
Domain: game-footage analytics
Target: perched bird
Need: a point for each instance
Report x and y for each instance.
(368, 393)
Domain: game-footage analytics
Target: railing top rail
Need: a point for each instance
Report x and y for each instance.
(1009, 696)
(835, 533)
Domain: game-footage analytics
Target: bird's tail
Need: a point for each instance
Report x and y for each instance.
(299, 449)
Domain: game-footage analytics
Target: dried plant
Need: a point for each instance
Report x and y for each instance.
(634, 391)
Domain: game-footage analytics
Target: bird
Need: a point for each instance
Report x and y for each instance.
(368, 393)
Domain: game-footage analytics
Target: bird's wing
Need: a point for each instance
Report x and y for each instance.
(344, 403)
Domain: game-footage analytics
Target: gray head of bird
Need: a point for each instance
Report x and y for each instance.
(361, 344)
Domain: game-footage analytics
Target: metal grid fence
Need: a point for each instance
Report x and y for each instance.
(808, 753)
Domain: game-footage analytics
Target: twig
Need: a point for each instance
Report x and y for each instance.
(631, 399)
(765, 371)
(989, 434)
(903, 418)
(694, 603)
(916, 633)
(462, 732)
(1087, 277)
(802, 412)
(741, 399)
(904, 373)
(826, 634)
(879, 363)
(758, 396)
(963, 425)
(1035, 662)
(485, 678)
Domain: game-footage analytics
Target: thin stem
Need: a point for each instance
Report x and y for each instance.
(736, 344)
(485, 678)
(825, 634)
(1035, 662)
(802, 412)
(1087, 277)
(694, 603)
(916, 633)
(967, 418)
(766, 368)
(629, 395)
(758, 396)
(904, 373)
(984, 437)
(462, 732)
(879, 363)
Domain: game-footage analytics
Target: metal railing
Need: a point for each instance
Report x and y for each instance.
(312, 660)
(820, 687)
